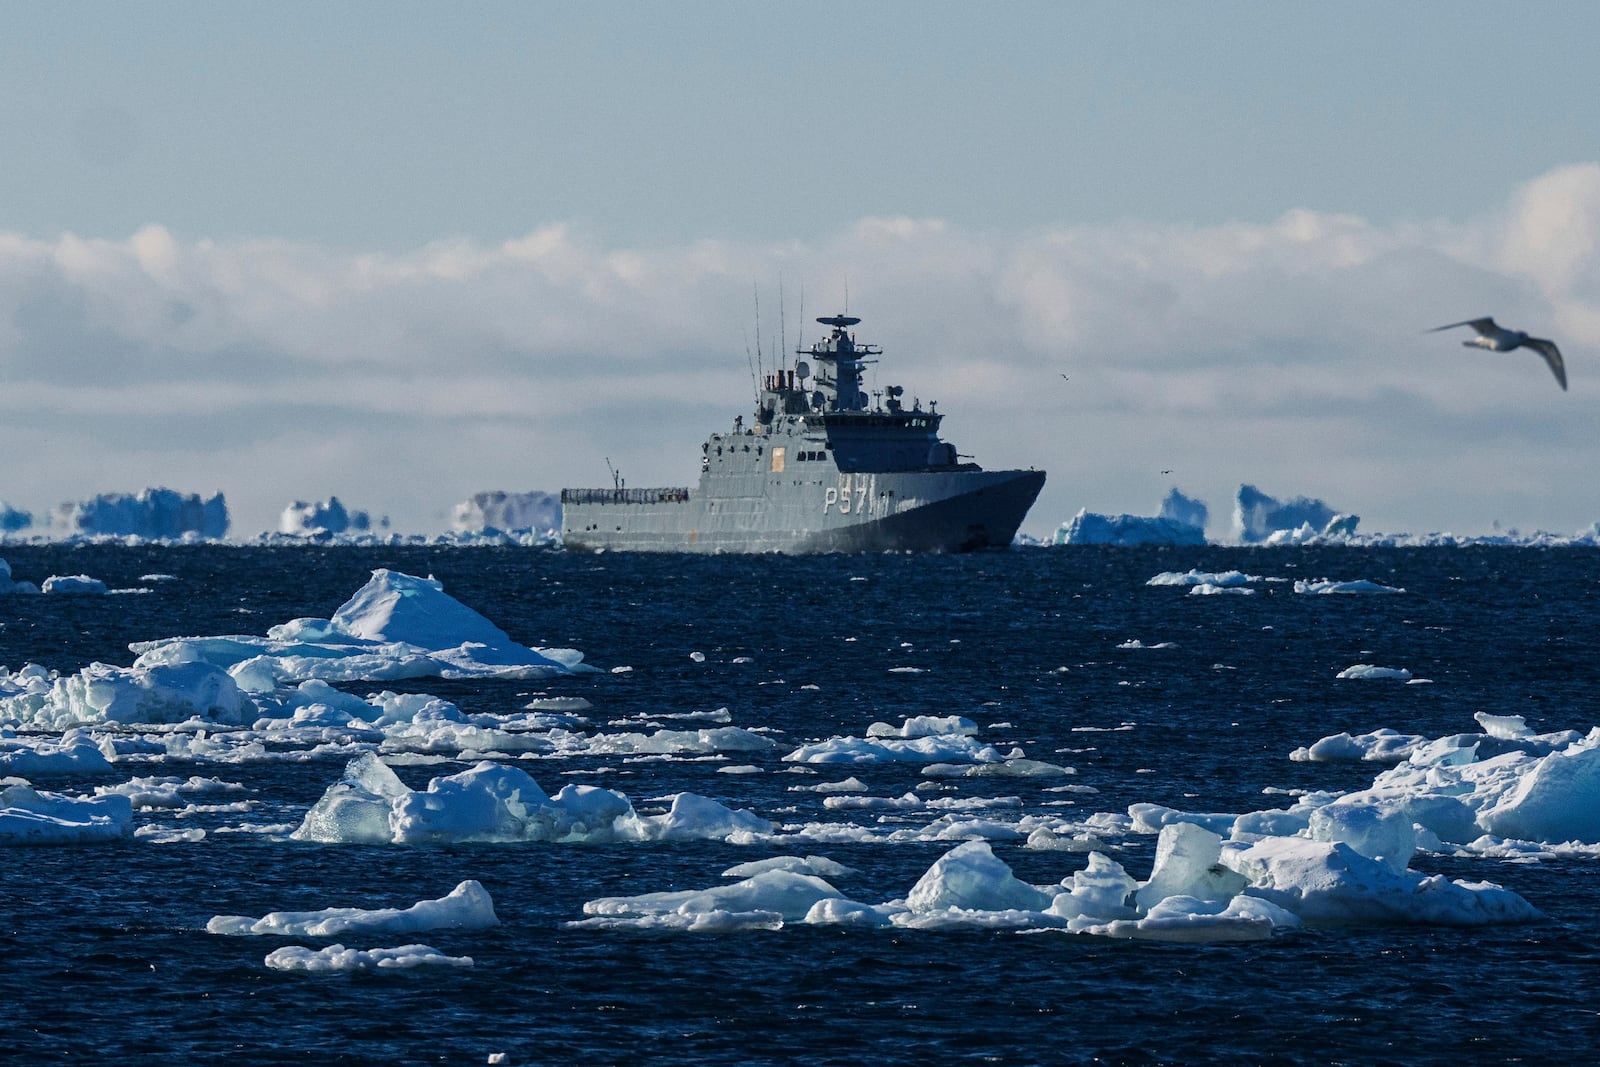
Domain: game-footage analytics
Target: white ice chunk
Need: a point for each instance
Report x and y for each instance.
(29, 816)
(488, 802)
(74, 585)
(1325, 587)
(1101, 892)
(76, 753)
(1369, 672)
(1227, 579)
(837, 911)
(1379, 746)
(1188, 863)
(1555, 799)
(1192, 920)
(948, 748)
(785, 895)
(1378, 830)
(466, 907)
(926, 726)
(1207, 589)
(101, 693)
(696, 817)
(355, 809)
(1504, 727)
(971, 877)
(820, 866)
(493, 802)
(338, 958)
(1330, 882)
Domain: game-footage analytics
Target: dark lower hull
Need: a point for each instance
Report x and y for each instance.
(944, 511)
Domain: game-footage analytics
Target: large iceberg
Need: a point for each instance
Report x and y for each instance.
(395, 626)
(13, 519)
(152, 514)
(1182, 522)
(1086, 528)
(302, 519)
(499, 510)
(1261, 519)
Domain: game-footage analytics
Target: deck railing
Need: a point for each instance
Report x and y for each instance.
(624, 496)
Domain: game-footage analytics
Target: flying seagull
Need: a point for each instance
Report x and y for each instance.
(1499, 339)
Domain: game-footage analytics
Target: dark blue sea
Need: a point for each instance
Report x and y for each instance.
(104, 956)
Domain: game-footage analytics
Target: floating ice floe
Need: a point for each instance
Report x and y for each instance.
(13, 587)
(1206, 589)
(1325, 587)
(491, 802)
(74, 585)
(101, 693)
(78, 752)
(1370, 672)
(1221, 579)
(30, 816)
(466, 907)
(337, 958)
(1468, 793)
(1379, 746)
(942, 748)
(395, 626)
(170, 792)
(1201, 888)
(919, 739)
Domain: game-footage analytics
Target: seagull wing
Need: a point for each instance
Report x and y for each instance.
(1552, 356)
(1481, 325)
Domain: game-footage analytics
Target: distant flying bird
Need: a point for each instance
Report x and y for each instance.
(1499, 339)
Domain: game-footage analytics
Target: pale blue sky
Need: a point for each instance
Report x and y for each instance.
(404, 252)
(388, 125)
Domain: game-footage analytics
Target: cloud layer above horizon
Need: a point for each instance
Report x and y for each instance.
(1291, 354)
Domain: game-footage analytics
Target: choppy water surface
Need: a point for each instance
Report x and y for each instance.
(104, 954)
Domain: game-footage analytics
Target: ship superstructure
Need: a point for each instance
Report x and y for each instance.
(825, 466)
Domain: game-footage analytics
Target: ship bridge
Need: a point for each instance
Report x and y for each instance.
(822, 397)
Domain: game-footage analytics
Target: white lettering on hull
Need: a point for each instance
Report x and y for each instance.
(851, 495)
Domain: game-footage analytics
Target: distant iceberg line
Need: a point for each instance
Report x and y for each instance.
(155, 514)
(535, 511)
(321, 518)
(1182, 522)
(1259, 519)
(531, 518)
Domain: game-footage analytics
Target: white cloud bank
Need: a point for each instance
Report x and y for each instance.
(1290, 354)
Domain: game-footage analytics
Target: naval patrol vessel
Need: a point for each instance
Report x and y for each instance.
(825, 467)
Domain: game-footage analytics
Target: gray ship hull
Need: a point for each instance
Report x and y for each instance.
(956, 510)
